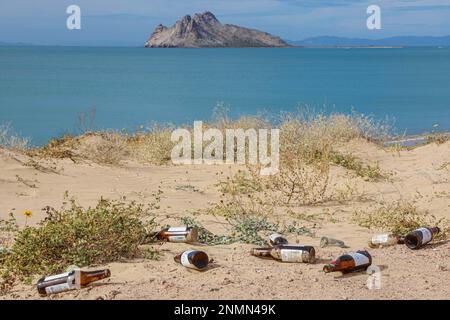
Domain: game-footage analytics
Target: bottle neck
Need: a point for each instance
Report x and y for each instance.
(434, 230)
(87, 277)
(177, 258)
(261, 252)
(330, 267)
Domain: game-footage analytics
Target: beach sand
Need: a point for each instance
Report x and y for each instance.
(419, 174)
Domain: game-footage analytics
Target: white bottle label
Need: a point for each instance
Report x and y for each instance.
(177, 229)
(359, 258)
(426, 235)
(288, 255)
(57, 288)
(57, 276)
(380, 239)
(177, 238)
(185, 260)
(69, 285)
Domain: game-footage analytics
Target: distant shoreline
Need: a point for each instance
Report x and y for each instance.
(291, 46)
(413, 140)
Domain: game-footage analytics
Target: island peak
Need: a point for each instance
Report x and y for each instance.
(205, 30)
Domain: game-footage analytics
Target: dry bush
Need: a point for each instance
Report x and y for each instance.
(109, 147)
(11, 140)
(57, 148)
(152, 146)
(103, 147)
(400, 218)
(233, 205)
(221, 120)
(438, 137)
(300, 184)
(241, 183)
(306, 152)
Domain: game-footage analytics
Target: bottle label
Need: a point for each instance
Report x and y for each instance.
(380, 239)
(177, 238)
(58, 276)
(359, 259)
(177, 229)
(288, 255)
(185, 259)
(58, 288)
(426, 235)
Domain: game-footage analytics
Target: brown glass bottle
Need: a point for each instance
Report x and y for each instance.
(287, 253)
(277, 239)
(354, 261)
(176, 234)
(419, 237)
(193, 259)
(74, 279)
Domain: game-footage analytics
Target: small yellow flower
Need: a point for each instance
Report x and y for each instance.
(27, 213)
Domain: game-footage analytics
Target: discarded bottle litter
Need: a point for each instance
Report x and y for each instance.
(419, 237)
(353, 261)
(385, 240)
(287, 253)
(71, 280)
(176, 234)
(330, 242)
(193, 259)
(277, 239)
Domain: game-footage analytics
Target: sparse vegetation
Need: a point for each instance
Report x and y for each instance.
(242, 182)
(307, 135)
(438, 138)
(245, 230)
(400, 218)
(152, 145)
(11, 140)
(350, 162)
(73, 235)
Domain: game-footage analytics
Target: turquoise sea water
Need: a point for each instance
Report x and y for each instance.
(44, 89)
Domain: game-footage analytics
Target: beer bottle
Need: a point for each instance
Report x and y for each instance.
(287, 253)
(177, 234)
(385, 240)
(419, 237)
(193, 259)
(277, 239)
(71, 280)
(354, 261)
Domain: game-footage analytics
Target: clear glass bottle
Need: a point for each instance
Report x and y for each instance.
(176, 234)
(385, 240)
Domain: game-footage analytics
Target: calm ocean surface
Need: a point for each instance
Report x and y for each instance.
(44, 89)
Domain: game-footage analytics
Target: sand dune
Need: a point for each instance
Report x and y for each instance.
(422, 174)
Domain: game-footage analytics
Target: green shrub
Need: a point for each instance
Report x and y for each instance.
(110, 231)
(350, 162)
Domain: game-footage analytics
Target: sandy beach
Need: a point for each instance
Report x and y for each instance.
(421, 175)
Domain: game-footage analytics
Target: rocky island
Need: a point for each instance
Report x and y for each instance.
(204, 30)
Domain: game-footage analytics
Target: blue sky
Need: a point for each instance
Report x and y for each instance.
(130, 22)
